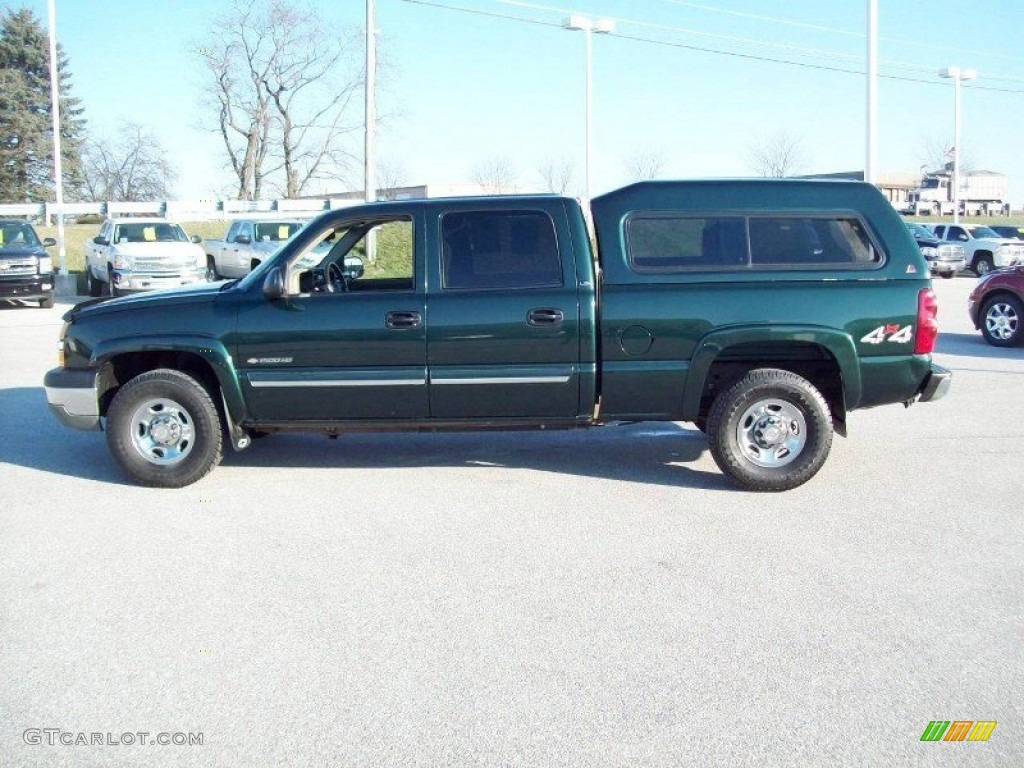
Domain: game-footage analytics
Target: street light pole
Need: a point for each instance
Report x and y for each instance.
(957, 75)
(369, 153)
(588, 26)
(871, 151)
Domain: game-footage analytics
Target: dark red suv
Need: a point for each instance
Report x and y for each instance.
(997, 306)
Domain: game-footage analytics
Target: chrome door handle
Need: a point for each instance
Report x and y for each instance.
(398, 320)
(544, 316)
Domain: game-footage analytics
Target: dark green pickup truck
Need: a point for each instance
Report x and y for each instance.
(762, 311)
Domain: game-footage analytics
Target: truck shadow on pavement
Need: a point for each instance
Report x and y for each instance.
(650, 453)
(974, 345)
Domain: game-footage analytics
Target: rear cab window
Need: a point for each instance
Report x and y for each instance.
(667, 243)
(499, 250)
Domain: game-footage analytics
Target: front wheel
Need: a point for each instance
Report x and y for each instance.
(47, 303)
(164, 429)
(947, 275)
(770, 431)
(212, 275)
(95, 286)
(982, 265)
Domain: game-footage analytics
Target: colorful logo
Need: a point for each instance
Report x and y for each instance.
(958, 730)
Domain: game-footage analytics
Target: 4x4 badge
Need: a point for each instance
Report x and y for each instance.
(892, 333)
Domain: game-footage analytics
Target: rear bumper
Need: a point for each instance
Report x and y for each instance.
(73, 398)
(936, 384)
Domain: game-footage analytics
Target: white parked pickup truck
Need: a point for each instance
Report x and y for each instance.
(247, 243)
(142, 254)
(985, 249)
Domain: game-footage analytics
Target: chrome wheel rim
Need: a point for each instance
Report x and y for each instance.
(983, 268)
(771, 433)
(1002, 321)
(163, 431)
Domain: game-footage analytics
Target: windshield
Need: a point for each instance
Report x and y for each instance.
(273, 232)
(982, 232)
(918, 230)
(1015, 233)
(152, 232)
(17, 233)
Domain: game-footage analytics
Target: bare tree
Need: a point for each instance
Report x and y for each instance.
(777, 156)
(283, 80)
(390, 177)
(495, 175)
(645, 164)
(556, 176)
(937, 155)
(130, 166)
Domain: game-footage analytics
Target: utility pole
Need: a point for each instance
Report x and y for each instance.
(370, 177)
(65, 284)
(871, 151)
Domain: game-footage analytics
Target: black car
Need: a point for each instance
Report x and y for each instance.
(943, 258)
(26, 269)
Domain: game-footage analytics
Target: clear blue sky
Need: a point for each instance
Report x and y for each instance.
(462, 88)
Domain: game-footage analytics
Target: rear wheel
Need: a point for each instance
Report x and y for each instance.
(770, 431)
(1001, 321)
(164, 430)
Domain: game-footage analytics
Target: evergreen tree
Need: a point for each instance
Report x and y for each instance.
(26, 139)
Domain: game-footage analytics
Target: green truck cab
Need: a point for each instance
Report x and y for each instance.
(762, 311)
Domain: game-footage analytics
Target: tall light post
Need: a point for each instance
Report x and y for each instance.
(369, 154)
(588, 26)
(58, 172)
(957, 75)
(871, 149)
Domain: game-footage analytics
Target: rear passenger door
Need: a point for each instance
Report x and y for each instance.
(503, 315)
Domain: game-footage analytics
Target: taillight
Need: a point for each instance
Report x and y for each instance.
(927, 324)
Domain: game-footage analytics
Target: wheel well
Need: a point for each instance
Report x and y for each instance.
(1001, 293)
(979, 254)
(811, 361)
(121, 369)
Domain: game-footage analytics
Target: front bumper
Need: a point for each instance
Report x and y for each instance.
(73, 398)
(936, 384)
(942, 267)
(126, 281)
(30, 287)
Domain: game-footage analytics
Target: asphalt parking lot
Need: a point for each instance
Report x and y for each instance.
(524, 599)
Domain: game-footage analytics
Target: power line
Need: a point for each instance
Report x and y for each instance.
(691, 47)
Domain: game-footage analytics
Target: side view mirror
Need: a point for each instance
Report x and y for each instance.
(353, 268)
(273, 285)
(243, 239)
(101, 241)
(49, 242)
(196, 239)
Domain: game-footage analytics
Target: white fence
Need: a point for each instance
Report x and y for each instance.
(180, 210)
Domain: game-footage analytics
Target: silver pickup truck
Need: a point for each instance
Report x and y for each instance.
(247, 243)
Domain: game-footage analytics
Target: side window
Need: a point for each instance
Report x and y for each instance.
(488, 250)
(957, 233)
(797, 241)
(246, 230)
(357, 256)
(671, 243)
(233, 231)
(939, 232)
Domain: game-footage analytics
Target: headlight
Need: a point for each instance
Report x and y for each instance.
(122, 260)
(45, 265)
(928, 252)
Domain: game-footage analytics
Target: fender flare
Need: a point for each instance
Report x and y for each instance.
(211, 350)
(839, 344)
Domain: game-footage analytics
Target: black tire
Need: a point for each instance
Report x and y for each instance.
(46, 303)
(111, 288)
(982, 265)
(791, 404)
(212, 275)
(95, 286)
(948, 275)
(1001, 321)
(179, 400)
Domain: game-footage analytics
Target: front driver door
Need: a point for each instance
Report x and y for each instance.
(357, 352)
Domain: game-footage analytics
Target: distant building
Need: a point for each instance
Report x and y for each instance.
(896, 186)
